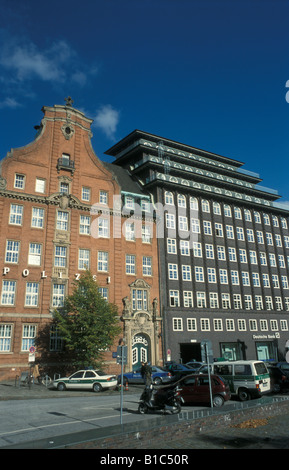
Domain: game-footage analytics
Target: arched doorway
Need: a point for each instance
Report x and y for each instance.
(141, 350)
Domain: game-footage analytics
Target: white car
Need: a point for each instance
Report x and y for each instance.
(95, 380)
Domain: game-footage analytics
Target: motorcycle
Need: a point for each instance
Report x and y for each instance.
(163, 399)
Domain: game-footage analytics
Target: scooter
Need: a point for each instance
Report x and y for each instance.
(165, 400)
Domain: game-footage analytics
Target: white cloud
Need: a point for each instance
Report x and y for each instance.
(107, 119)
(24, 63)
(9, 103)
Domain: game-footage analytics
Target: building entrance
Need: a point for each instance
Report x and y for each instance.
(140, 350)
(190, 352)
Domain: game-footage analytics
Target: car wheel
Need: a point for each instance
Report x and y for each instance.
(244, 394)
(157, 381)
(143, 409)
(96, 387)
(61, 387)
(218, 401)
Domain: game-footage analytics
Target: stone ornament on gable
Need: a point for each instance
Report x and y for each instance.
(3, 183)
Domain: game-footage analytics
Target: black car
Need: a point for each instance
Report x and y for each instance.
(178, 371)
(279, 381)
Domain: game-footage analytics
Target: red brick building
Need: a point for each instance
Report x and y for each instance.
(62, 210)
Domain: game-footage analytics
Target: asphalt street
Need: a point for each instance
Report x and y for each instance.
(40, 413)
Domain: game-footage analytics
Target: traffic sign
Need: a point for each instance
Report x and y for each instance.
(32, 349)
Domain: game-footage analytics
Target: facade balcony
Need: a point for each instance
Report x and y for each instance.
(64, 163)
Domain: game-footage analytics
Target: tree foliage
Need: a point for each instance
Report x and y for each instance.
(87, 323)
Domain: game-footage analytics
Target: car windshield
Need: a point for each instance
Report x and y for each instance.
(100, 372)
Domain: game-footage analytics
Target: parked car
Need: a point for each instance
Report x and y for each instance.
(177, 370)
(194, 365)
(279, 381)
(159, 376)
(95, 380)
(284, 366)
(195, 389)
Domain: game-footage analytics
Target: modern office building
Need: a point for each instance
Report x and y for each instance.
(62, 211)
(223, 246)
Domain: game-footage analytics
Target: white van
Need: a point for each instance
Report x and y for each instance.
(247, 379)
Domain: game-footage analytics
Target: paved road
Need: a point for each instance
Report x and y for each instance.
(35, 414)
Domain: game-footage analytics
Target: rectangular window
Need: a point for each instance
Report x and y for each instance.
(32, 294)
(40, 185)
(235, 278)
(58, 292)
(139, 299)
(170, 221)
(212, 278)
(195, 225)
(5, 337)
(56, 341)
(232, 254)
(201, 299)
(102, 261)
(12, 251)
(28, 337)
(237, 301)
(219, 230)
(184, 248)
(253, 257)
(230, 231)
(83, 258)
(174, 298)
(103, 197)
(8, 292)
(207, 227)
(37, 217)
(209, 251)
(172, 245)
(103, 292)
(205, 324)
(60, 256)
(186, 272)
(177, 324)
(85, 194)
(16, 214)
(230, 324)
(191, 324)
(84, 224)
(34, 254)
(218, 324)
(250, 235)
(214, 301)
(183, 223)
(253, 325)
(146, 233)
(130, 264)
(130, 231)
(147, 266)
(188, 298)
(199, 274)
(19, 181)
(62, 221)
(103, 227)
(173, 271)
(226, 302)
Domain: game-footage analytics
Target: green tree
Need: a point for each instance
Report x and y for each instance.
(87, 323)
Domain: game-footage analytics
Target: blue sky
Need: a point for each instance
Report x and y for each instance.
(208, 73)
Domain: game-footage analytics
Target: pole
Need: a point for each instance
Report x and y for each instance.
(121, 387)
(209, 374)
